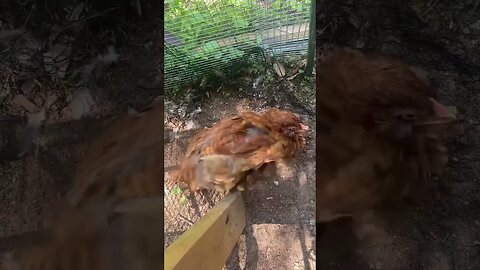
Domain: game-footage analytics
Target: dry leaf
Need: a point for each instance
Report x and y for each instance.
(27, 46)
(279, 69)
(23, 102)
(293, 76)
(76, 12)
(57, 59)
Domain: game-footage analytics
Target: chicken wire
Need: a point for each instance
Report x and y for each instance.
(182, 209)
(203, 35)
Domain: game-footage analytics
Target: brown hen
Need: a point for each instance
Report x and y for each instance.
(380, 132)
(125, 161)
(220, 156)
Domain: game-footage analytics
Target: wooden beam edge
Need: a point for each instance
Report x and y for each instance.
(210, 240)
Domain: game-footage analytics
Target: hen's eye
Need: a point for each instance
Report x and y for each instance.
(409, 116)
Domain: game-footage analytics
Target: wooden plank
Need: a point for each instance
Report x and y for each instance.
(209, 242)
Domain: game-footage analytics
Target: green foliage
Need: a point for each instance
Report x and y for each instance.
(177, 191)
(199, 25)
(183, 200)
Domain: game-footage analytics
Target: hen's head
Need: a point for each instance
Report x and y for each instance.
(288, 123)
(377, 91)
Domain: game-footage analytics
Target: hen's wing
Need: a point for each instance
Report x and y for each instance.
(125, 161)
(353, 172)
(232, 136)
(248, 136)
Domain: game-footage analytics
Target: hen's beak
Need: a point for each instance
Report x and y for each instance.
(442, 115)
(441, 111)
(303, 127)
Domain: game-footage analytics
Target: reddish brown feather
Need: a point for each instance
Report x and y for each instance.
(124, 161)
(374, 146)
(256, 137)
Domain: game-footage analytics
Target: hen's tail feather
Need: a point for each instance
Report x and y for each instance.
(175, 175)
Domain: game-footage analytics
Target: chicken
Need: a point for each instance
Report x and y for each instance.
(125, 161)
(219, 157)
(380, 133)
(99, 236)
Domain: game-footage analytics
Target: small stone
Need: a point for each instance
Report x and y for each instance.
(453, 110)
(276, 183)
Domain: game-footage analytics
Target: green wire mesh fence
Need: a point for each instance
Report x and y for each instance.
(202, 35)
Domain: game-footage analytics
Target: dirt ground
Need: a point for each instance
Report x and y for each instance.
(441, 230)
(31, 187)
(280, 230)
